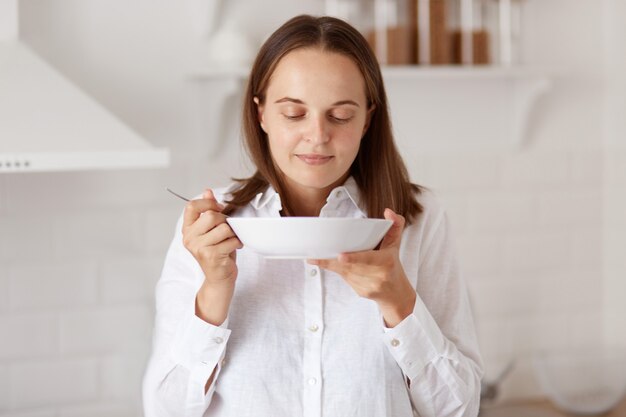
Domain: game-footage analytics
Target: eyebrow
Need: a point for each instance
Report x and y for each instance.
(298, 101)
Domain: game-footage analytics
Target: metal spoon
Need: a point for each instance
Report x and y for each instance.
(177, 195)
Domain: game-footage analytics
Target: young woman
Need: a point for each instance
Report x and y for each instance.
(386, 332)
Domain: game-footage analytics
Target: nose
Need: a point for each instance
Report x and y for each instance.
(318, 130)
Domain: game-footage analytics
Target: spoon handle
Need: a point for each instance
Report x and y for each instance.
(177, 195)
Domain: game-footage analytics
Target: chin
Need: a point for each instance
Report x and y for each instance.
(317, 181)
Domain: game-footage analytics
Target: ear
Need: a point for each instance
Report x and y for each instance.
(259, 110)
(368, 118)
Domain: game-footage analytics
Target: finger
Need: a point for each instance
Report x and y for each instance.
(228, 246)
(217, 235)
(208, 195)
(207, 222)
(328, 264)
(367, 263)
(194, 208)
(365, 258)
(394, 234)
(340, 265)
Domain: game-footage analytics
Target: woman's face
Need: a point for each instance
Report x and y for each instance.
(315, 114)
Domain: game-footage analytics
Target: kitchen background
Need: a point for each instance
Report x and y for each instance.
(539, 222)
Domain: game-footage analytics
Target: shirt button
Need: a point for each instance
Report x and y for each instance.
(312, 381)
(218, 340)
(338, 194)
(314, 328)
(395, 342)
(313, 272)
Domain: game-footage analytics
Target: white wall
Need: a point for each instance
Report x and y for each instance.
(615, 173)
(80, 252)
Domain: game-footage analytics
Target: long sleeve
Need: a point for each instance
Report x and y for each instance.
(436, 345)
(186, 349)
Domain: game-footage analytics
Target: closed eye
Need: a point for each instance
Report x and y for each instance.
(340, 119)
(294, 117)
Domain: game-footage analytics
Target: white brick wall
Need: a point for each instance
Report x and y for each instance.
(614, 242)
(4, 289)
(44, 286)
(29, 335)
(130, 280)
(99, 410)
(105, 330)
(53, 382)
(38, 412)
(121, 375)
(4, 387)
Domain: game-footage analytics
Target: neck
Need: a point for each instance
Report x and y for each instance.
(308, 201)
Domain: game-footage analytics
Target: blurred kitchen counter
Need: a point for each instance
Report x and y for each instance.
(540, 408)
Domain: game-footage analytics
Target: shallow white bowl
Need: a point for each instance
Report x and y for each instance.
(586, 382)
(308, 237)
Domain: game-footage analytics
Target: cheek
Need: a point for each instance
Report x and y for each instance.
(282, 143)
(349, 140)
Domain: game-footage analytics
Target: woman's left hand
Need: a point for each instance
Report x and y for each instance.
(378, 274)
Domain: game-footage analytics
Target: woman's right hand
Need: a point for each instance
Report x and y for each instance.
(213, 244)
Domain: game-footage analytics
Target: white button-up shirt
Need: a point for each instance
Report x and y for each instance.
(298, 341)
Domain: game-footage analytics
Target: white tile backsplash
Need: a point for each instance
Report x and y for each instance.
(536, 250)
(461, 170)
(36, 412)
(25, 236)
(160, 225)
(29, 335)
(94, 234)
(5, 387)
(569, 207)
(37, 383)
(129, 281)
(100, 410)
(106, 330)
(4, 289)
(52, 286)
(586, 166)
(532, 169)
(480, 255)
(501, 211)
(121, 376)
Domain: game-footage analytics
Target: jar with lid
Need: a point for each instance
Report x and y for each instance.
(388, 26)
(470, 35)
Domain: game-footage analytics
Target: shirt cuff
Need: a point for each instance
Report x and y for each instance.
(415, 341)
(199, 346)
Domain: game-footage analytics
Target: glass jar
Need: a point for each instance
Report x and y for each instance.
(388, 26)
(469, 32)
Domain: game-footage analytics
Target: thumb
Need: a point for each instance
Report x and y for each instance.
(394, 235)
(208, 194)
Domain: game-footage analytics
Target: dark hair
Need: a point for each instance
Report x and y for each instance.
(377, 169)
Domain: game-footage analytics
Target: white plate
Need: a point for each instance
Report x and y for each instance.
(308, 237)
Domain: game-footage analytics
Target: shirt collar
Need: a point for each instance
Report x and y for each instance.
(349, 190)
(268, 197)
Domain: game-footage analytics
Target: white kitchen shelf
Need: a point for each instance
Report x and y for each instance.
(48, 124)
(399, 71)
(445, 107)
(462, 107)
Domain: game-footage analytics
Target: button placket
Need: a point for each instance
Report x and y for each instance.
(313, 327)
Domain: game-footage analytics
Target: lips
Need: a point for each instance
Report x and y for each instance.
(314, 159)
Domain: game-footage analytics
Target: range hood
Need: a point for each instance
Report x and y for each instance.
(49, 124)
